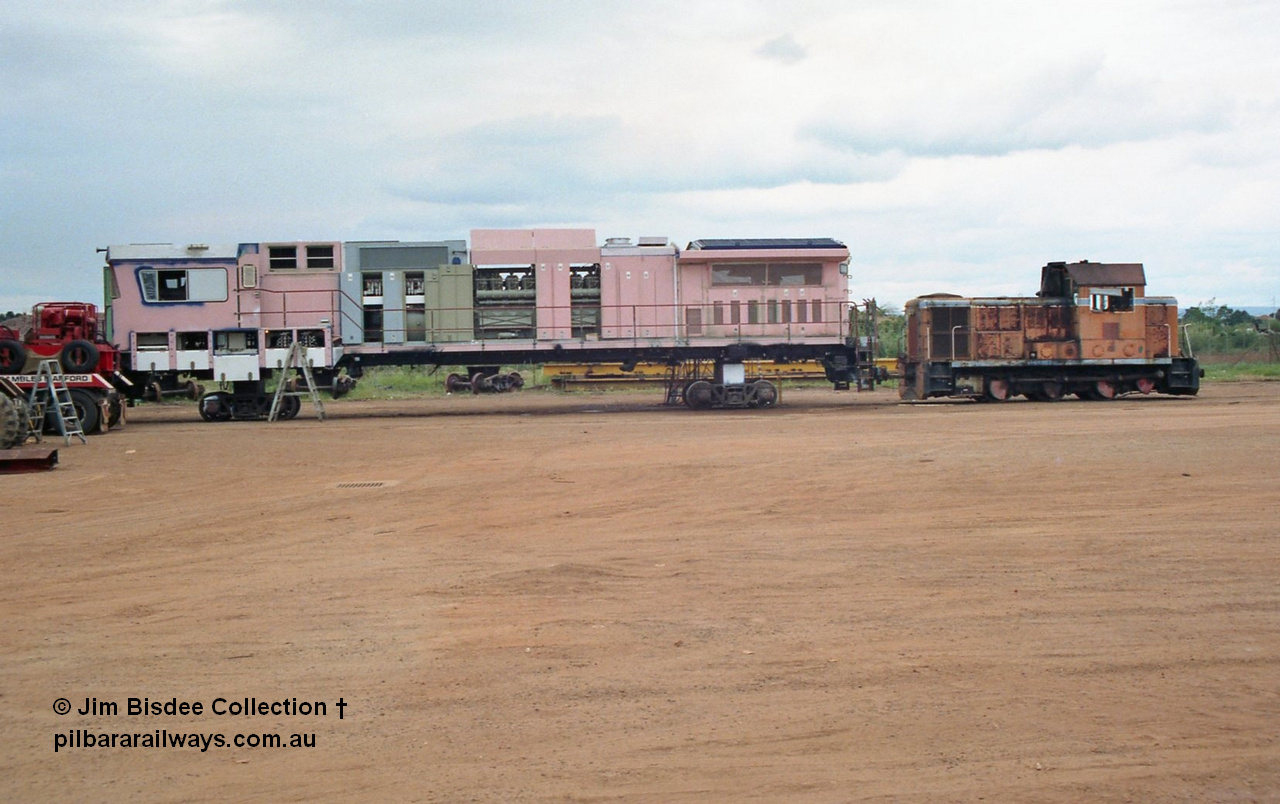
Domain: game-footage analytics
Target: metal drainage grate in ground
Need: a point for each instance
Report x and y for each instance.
(368, 484)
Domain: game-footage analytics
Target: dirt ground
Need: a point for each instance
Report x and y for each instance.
(592, 598)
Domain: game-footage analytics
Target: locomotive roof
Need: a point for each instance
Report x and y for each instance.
(159, 251)
(761, 243)
(1094, 274)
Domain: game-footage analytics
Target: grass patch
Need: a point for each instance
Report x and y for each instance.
(405, 382)
(398, 382)
(1232, 372)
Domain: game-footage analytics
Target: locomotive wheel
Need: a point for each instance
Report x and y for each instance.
(1104, 390)
(215, 407)
(997, 390)
(1146, 385)
(1047, 391)
(454, 382)
(194, 389)
(766, 393)
(517, 381)
(79, 357)
(477, 383)
(13, 356)
(699, 395)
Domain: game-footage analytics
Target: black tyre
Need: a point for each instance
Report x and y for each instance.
(289, 407)
(115, 410)
(13, 356)
(87, 409)
(79, 357)
(13, 423)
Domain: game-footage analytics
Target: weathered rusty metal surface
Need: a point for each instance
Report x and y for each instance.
(27, 459)
(1162, 323)
(999, 346)
(1116, 274)
(1053, 350)
(949, 331)
(1047, 322)
(1002, 318)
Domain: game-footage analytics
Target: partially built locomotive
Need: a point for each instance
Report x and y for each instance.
(1090, 331)
(230, 314)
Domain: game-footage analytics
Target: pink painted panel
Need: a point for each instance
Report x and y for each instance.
(565, 239)
(502, 247)
(638, 295)
(775, 312)
(130, 314)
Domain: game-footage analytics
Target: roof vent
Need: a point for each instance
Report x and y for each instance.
(617, 242)
(197, 247)
(653, 241)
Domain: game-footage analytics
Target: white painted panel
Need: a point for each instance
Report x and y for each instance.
(275, 357)
(146, 360)
(192, 360)
(227, 368)
(315, 356)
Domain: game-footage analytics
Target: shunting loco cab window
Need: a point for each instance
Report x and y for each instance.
(1118, 300)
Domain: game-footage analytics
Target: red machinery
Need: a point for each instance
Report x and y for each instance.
(64, 331)
(67, 332)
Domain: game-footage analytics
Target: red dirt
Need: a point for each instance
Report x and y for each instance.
(591, 598)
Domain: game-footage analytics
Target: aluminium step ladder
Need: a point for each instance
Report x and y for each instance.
(50, 393)
(295, 359)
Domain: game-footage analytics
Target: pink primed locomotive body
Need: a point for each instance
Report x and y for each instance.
(793, 294)
(230, 313)
(223, 311)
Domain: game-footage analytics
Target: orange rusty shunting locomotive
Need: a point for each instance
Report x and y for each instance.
(1090, 331)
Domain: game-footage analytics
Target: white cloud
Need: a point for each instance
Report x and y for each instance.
(953, 146)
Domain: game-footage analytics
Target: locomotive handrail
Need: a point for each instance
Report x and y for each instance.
(629, 322)
(636, 325)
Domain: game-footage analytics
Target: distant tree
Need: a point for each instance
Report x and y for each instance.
(890, 327)
(1212, 312)
(1217, 328)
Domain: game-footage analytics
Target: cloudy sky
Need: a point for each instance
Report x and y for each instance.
(954, 146)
